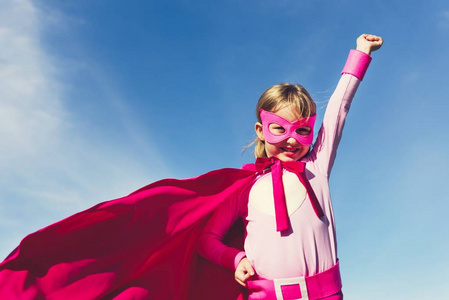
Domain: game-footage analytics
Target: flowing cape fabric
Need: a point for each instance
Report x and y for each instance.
(141, 246)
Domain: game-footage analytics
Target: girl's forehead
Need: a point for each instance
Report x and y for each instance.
(289, 112)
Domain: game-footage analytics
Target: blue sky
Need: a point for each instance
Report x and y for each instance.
(100, 98)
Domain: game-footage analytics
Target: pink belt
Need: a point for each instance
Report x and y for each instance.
(318, 286)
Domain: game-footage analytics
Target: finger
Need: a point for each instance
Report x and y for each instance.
(377, 42)
(376, 38)
(242, 276)
(239, 281)
(249, 269)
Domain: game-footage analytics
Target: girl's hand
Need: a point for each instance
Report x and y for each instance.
(243, 272)
(368, 43)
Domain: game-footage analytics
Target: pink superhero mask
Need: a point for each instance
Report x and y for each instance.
(290, 128)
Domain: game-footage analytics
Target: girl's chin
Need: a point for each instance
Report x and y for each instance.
(287, 157)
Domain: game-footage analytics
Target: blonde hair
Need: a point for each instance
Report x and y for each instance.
(278, 97)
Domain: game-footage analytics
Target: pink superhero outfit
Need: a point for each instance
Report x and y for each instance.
(143, 246)
(309, 247)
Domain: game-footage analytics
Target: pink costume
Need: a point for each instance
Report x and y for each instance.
(142, 246)
(309, 246)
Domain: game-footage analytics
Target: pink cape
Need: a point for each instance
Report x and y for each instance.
(142, 246)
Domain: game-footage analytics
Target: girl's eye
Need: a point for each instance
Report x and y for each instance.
(303, 131)
(276, 129)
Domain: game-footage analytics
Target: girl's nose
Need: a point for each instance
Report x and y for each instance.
(292, 141)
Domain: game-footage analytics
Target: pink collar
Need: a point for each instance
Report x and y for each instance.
(280, 205)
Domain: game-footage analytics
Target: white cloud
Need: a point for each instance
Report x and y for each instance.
(49, 166)
(29, 106)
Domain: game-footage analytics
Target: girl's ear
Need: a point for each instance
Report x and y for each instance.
(258, 128)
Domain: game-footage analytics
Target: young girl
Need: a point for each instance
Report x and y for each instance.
(290, 244)
(144, 245)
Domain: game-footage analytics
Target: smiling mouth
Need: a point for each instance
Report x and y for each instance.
(289, 150)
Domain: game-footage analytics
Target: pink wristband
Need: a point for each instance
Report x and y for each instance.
(238, 258)
(357, 64)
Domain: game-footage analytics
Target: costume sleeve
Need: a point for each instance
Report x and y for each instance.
(325, 147)
(210, 243)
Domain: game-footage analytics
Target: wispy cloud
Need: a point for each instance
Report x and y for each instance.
(30, 106)
(49, 165)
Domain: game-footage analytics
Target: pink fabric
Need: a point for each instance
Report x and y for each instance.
(291, 291)
(212, 242)
(280, 206)
(290, 128)
(238, 258)
(297, 167)
(319, 286)
(325, 283)
(261, 289)
(357, 64)
(138, 247)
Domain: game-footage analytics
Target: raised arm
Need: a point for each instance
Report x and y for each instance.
(329, 136)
